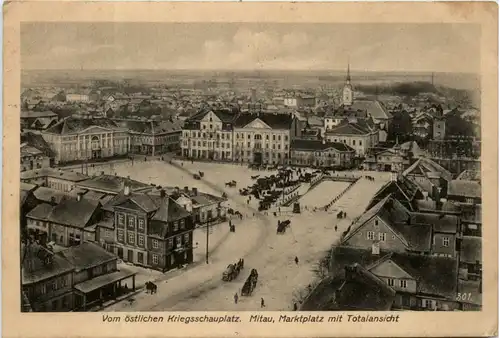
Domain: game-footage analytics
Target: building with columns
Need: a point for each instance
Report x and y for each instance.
(74, 139)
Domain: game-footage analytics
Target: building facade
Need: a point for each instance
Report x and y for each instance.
(359, 135)
(321, 154)
(76, 139)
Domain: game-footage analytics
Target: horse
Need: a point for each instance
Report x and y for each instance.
(151, 287)
(254, 177)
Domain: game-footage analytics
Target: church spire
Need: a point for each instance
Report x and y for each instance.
(348, 77)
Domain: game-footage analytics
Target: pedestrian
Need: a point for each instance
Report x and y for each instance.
(262, 304)
(296, 260)
(236, 298)
(295, 307)
(336, 228)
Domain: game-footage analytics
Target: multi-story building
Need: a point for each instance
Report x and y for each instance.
(33, 158)
(153, 137)
(262, 138)
(209, 135)
(62, 180)
(96, 277)
(389, 226)
(66, 224)
(47, 279)
(151, 230)
(361, 135)
(74, 139)
(241, 137)
(321, 154)
(395, 159)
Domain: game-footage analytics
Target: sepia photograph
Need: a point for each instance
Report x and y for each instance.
(309, 168)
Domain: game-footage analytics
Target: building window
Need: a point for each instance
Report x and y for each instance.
(121, 219)
(390, 281)
(469, 200)
(141, 240)
(170, 243)
(382, 236)
(155, 259)
(186, 238)
(120, 235)
(176, 227)
(402, 283)
(427, 303)
(131, 238)
(155, 244)
(182, 224)
(370, 235)
(446, 241)
(42, 289)
(376, 222)
(141, 224)
(54, 285)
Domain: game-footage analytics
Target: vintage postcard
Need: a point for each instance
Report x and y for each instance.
(250, 169)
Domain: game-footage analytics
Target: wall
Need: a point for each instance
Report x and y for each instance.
(439, 248)
(360, 239)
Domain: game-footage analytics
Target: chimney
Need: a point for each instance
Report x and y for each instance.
(195, 191)
(79, 196)
(186, 190)
(126, 190)
(323, 141)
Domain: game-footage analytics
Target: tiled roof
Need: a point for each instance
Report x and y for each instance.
(72, 212)
(376, 109)
(72, 125)
(45, 194)
(151, 127)
(434, 275)
(26, 114)
(55, 173)
(428, 166)
(112, 183)
(169, 210)
(470, 175)
(281, 121)
(37, 141)
(470, 249)
(440, 222)
(40, 212)
(317, 145)
(347, 128)
(87, 255)
(36, 268)
(464, 188)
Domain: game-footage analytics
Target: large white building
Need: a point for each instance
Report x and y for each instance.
(233, 136)
(74, 139)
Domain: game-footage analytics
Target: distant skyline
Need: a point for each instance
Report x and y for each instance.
(229, 46)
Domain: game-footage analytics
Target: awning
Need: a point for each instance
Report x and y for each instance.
(104, 280)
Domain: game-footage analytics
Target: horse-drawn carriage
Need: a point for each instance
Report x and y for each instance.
(341, 215)
(201, 173)
(231, 183)
(250, 283)
(282, 226)
(196, 177)
(232, 271)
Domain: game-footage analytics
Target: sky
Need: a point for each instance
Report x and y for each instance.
(235, 46)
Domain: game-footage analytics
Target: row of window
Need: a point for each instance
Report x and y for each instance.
(402, 282)
(382, 236)
(53, 285)
(131, 240)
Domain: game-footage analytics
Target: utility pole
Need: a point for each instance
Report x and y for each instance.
(208, 232)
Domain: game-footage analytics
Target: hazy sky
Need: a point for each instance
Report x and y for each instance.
(372, 47)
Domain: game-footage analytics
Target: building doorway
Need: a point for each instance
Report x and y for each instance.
(130, 256)
(387, 167)
(257, 158)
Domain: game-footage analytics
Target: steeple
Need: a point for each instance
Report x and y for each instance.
(348, 77)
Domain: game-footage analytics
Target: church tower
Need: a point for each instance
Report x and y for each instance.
(347, 92)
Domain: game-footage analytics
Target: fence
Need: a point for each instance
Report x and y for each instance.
(289, 194)
(326, 207)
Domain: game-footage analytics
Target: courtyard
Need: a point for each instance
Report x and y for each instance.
(281, 281)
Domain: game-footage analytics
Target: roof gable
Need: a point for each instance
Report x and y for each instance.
(257, 124)
(211, 115)
(387, 268)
